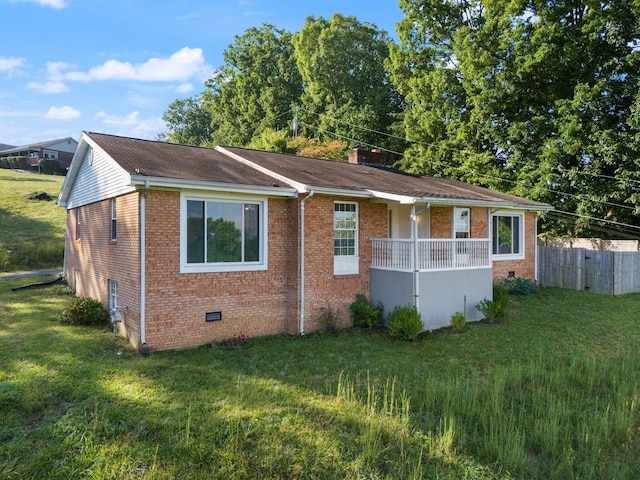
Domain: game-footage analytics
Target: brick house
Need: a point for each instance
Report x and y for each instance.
(190, 245)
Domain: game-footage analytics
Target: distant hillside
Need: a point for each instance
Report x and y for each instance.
(31, 231)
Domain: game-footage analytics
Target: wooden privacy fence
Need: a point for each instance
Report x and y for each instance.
(597, 271)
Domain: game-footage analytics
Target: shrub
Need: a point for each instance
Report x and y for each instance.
(365, 314)
(405, 323)
(85, 311)
(519, 286)
(50, 166)
(329, 319)
(458, 321)
(494, 309)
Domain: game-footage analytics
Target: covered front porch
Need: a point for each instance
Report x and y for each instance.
(438, 276)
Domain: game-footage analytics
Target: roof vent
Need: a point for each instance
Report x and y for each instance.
(361, 155)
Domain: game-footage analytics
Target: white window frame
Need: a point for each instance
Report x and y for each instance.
(347, 264)
(78, 222)
(509, 256)
(457, 211)
(259, 265)
(113, 224)
(113, 295)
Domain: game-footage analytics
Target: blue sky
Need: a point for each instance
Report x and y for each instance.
(113, 66)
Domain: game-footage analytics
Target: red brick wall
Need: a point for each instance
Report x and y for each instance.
(323, 288)
(521, 268)
(92, 259)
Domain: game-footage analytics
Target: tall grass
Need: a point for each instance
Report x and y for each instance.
(552, 391)
(31, 231)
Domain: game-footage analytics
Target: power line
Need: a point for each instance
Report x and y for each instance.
(591, 219)
(440, 162)
(457, 150)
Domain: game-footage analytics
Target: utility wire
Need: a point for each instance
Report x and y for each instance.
(457, 150)
(591, 219)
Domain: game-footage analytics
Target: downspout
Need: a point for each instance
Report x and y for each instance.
(64, 255)
(302, 261)
(414, 260)
(143, 194)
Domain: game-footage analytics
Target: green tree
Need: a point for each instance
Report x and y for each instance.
(342, 63)
(188, 122)
(257, 84)
(533, 97)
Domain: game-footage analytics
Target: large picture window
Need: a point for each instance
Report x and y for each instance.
(222, 234)
(345, 238)
(508, 235)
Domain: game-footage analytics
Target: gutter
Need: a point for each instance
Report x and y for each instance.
(309, 195)
(143, 258)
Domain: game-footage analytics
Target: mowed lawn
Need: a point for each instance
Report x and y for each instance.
(31, 231)
(552, 391)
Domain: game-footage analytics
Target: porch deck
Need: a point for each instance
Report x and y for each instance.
(430, 255)
(440, 276)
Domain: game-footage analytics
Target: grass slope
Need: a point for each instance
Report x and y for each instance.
(31, 231)
(552, 391)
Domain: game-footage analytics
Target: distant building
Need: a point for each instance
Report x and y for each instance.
(61, 149)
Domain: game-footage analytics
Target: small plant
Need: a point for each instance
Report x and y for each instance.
(519, 286)
(85, 311)
(458, 321)
(365, 313)
(62, 290)
(329, 319)
(405, 323)
(494, 309)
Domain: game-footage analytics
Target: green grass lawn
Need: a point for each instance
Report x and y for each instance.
(31, 231)
(551, 391)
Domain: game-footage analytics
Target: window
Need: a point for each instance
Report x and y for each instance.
(461, 223)
(508, 235)
(345, 238)
(222, 234)
(113, 295)
(113, 220)
(78, 220)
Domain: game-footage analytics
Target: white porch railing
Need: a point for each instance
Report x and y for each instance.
(432, 254)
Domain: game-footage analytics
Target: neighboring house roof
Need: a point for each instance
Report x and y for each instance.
(66, 144)
(151, 163)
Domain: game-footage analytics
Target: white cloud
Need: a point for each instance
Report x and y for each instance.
(184, 88)
(54, 75)
(179, 67)
(57, 4)
(132, 124)
(62, 113)
(11, 65)
(48, 87)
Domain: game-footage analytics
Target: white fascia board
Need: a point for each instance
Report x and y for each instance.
(182, 184)
(300, 187)
(86, 143)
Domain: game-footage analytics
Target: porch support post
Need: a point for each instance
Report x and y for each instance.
(414, 258)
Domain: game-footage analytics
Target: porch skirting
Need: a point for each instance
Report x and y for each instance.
(442, 293)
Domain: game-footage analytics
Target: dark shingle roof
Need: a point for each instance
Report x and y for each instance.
(331, 174)
(171, 161)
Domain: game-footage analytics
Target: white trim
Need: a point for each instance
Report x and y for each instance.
(347, 264)
(510, 256)
(260, 265)
(205, 186)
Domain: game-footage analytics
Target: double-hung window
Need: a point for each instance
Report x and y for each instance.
(508, 236)
(222, 234)
(345, 238)
(461, 223)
